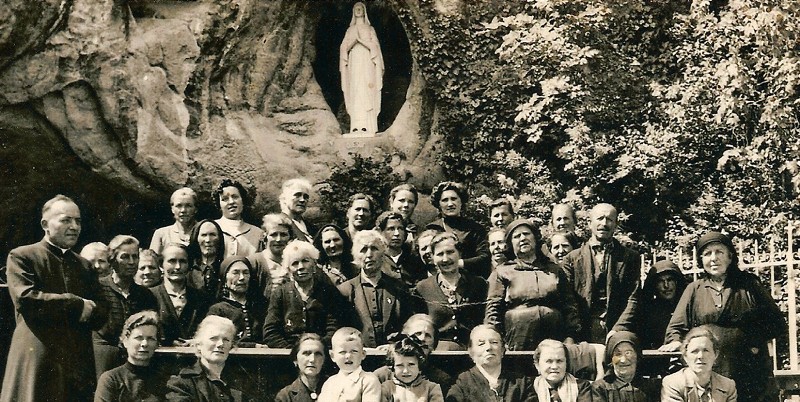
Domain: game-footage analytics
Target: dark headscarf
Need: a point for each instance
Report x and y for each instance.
(252, 286)
(616, 339)
(663, 267)
(717, 237)
(536, 236)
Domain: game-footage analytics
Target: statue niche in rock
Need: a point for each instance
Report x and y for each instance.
(361, 67)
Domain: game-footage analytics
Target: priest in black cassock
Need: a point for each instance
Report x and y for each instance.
(55, 295)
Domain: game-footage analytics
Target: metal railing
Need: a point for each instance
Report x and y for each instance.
(753, 259)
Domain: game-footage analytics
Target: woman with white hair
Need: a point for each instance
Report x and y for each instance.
(294, 197)
(307, 303)
(203, 381)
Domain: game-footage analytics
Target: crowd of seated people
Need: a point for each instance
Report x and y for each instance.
(387, 283)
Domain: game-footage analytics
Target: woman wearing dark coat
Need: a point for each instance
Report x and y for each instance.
(450, 198)
(649, 313)
(738, 310)
(206, 381)
(206, 252)
(242, 301)
(453, 298)
(623, 381)
(529, 297)
(308, 355)
(307, 303)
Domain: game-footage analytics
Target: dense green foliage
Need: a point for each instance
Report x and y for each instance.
(359, 175)
(683, 115)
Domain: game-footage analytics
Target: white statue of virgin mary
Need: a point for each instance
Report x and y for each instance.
(361, 67)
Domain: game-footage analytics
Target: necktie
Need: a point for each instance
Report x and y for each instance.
(554, 395)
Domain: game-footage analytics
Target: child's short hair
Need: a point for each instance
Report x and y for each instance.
(346, 334)
(408, 346)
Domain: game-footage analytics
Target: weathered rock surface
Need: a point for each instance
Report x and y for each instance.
(132, 99)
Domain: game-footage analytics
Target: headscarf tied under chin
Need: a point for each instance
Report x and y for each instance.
(567, 390)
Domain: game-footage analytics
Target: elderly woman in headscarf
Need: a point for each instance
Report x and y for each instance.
(738, 310)
(450, 198)
(648, 314)
(623, 382)
(242, 300)
(529, 296)
(206, 251)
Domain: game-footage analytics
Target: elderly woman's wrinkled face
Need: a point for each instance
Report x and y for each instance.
(141, 344)
(215, 343)
(277, 237)
(237, 278)
(559, 247)
(700, 355)
(310, 358)
(126, 261)
(523, 241)
(552, 365)
(368, 256)
(624, 360)
(332, 243)
(446, 256)
(404, 202)
(666, 286)
(486, 348)
(183, 209)
(302, 268)
(208, 237)
(450, 203)
(148, 274)
(298, 200)
(231, 203)
(716, 258)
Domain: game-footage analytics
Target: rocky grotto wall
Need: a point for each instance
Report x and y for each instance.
(119, 102)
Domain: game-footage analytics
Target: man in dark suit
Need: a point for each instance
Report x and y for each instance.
(382, 303)
(55, 295)
(604, 274)
(180, 306)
